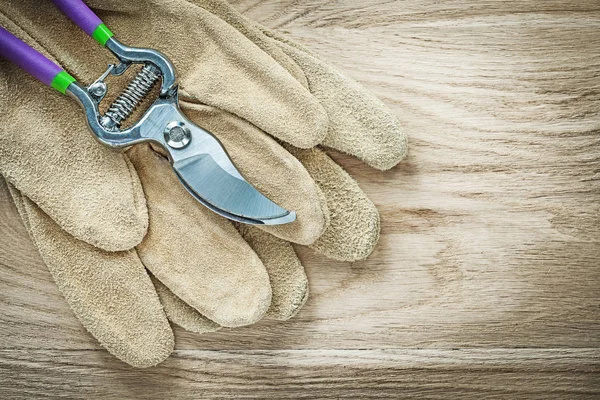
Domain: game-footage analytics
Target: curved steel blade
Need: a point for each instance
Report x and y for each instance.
(207, 172)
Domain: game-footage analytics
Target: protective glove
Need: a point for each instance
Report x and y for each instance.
(354, 223)
(206, 261)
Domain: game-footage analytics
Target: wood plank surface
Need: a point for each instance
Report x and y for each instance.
(486, 281)
(308, 374)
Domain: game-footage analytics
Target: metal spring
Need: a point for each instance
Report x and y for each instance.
(128, 100)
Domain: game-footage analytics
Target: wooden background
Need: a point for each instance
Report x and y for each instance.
(486, 283)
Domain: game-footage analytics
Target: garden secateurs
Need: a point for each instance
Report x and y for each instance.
(200, 161)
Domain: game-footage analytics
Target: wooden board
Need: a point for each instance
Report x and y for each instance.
(307, 374)
(486, 281)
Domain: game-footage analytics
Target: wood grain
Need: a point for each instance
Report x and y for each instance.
(308, 374)
(486, 281)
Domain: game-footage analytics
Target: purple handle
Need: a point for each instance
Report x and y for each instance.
(80, 14)
(27, 58)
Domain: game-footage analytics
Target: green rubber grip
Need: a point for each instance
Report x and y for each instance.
(61, 81)
(101, 34)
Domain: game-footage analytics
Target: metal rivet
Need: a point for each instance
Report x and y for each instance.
(177, 135)
(98, 89)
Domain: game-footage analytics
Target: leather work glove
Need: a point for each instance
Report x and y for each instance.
(128, 247)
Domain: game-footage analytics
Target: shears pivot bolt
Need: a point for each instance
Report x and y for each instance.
(177, 135)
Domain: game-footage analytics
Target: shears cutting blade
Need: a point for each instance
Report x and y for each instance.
(198, 158)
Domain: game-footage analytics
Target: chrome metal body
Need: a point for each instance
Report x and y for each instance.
(199, 159)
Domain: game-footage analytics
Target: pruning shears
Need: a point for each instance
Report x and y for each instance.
(199, 159)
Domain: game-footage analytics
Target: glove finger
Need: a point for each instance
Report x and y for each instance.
(289, 283)
(288, 280)
(248, 28)
(269, 167)
(354, 226)
(89, 190)
(197, 254)
(180, 313)
(229, 14)
(110, 293)
(359, 123)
